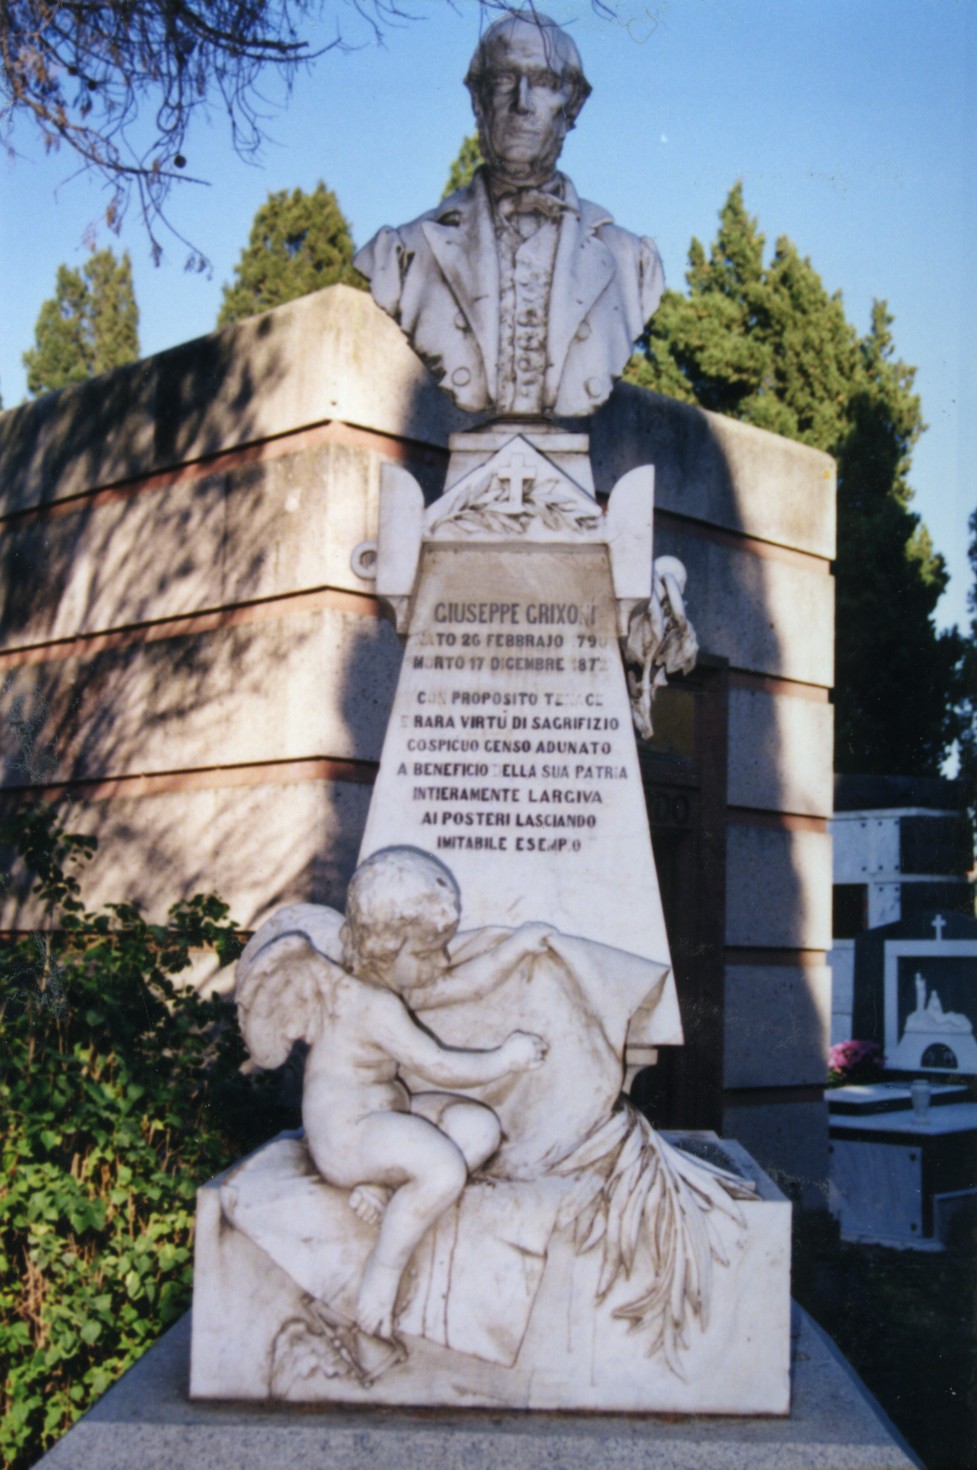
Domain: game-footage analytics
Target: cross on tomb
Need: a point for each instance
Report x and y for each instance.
(518, 476)
(939, 924)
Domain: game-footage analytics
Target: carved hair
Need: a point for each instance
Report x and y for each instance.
(396, 892)
(560, 48)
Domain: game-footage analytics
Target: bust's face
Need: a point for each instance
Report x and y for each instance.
(524, 112)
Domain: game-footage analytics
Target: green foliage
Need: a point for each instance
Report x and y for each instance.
(767, 343)
(298, 243)
(468, 159)
(120, 1091)
(89, 326)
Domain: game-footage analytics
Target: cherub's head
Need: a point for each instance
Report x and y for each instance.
(402, 908)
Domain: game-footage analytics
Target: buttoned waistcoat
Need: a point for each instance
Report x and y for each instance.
(438, 277)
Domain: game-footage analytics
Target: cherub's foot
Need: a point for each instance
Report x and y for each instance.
(376, 1300)
(369, 1201)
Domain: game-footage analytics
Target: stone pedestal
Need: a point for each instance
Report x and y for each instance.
(510, 752)
(274, 1243)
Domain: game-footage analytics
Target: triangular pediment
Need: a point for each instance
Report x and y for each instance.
(516, 494)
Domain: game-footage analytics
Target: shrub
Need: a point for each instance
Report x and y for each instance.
(121, 1091)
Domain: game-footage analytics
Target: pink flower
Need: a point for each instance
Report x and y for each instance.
(854, 1061)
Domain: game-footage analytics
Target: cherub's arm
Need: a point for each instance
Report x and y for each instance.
(392, 1027)
(475, 978)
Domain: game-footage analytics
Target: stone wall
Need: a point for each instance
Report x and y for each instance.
(192, 669)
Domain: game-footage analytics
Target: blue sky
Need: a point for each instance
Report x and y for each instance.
(852, 124)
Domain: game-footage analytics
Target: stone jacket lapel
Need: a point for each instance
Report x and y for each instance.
(583, 269)
(438, 277)
(461, 237)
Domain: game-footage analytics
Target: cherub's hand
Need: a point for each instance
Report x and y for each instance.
(532, 938)
(523, 1051)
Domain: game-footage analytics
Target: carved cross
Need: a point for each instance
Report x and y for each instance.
(518, 476)
(939, 924)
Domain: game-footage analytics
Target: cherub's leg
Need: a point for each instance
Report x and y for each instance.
(473, 1126)
(428, 1172)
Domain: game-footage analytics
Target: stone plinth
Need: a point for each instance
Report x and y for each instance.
(147, 1420)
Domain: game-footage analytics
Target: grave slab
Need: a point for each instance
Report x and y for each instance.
(892, 1172)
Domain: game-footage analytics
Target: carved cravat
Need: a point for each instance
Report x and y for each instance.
(525, 209)
(531, 201)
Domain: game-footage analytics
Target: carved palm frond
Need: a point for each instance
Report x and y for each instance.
(560, 515)
(485, 506)
(650, 1208)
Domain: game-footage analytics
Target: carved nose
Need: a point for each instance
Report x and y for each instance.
(522, 101)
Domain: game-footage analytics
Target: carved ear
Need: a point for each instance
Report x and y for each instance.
(575, 107)
(282, 996)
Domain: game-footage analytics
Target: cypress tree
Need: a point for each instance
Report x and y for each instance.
(467, 160)
(299, 243)
(89, 326)
(768, 344)
(968, 669)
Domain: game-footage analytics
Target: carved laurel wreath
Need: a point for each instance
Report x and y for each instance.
(486, 507)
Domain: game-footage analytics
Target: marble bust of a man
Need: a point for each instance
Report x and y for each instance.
(522, 299)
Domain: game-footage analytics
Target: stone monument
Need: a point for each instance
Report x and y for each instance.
(904, 1149)
(473, 1213)
(933, 1037)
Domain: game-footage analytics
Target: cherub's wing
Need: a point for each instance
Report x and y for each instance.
(286, 979)
(320, 924)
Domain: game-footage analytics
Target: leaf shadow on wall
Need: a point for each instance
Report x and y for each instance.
(122, 647)
(763, 611)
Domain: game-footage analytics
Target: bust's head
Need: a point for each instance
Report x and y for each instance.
(527, 87)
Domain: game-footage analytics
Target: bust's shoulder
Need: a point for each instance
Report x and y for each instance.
(597, 220)
(637, 263)
(453, 208)
(392, 246)
(470, 196)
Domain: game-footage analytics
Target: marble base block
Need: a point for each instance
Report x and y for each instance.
(276, 1261)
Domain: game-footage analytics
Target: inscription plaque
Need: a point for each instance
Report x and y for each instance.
(511, 737)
